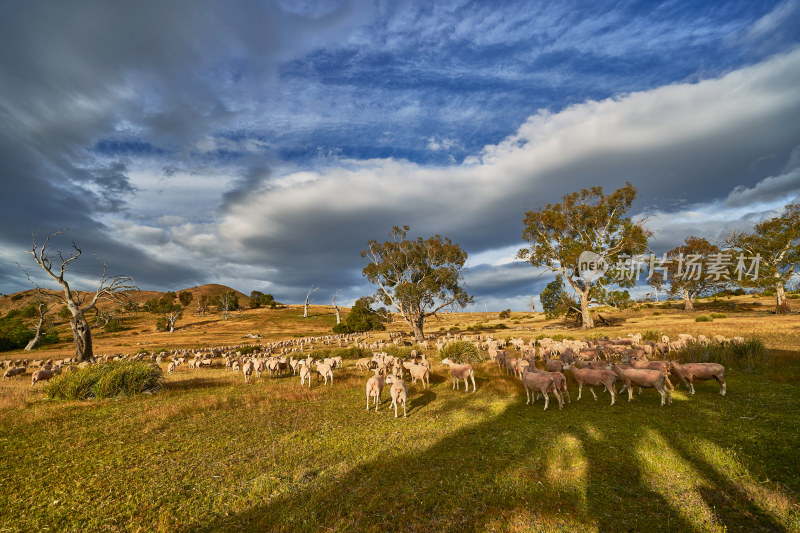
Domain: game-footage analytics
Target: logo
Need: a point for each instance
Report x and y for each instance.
(591, 266)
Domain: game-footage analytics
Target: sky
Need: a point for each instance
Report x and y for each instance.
(261, 144)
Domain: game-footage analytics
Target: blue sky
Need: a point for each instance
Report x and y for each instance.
(262, 144)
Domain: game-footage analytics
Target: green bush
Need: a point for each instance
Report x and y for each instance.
(703, 318)
(505, 314)
(749, 355)
(107, 380)
(246, 350)
(719, 315)
(462, 352)
(17, 297)
(656, 313)
(13, 333)
(652, 335)
(342, 327)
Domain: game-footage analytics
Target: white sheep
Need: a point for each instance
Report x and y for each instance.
(458, 372)
(374, 389)
(541, 382)
(592, 378)
(305, 374)
(14, 371)
(700, 371)
(398, 392)
(325, 371)
(642, 378)
(247, 369)
(42, 375)
(171, 367)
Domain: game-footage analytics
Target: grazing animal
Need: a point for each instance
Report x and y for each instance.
(594, 377)
(398, 393)
(700, 371)
(642, 378)
(540, 382)
(459, 372)
(374, 389)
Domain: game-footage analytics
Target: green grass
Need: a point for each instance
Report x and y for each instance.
(106, 380)
(210, 453)
(703, 318)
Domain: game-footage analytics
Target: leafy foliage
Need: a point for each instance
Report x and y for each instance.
(417, 277)
(259, 299)
(462, 352)
(703, 318)
(749, 355)
(505, 314)
(683, 282)
(363, 318)
(185, 298)
(107, 380)
(555, 300)
(777, 243)
(585, 221)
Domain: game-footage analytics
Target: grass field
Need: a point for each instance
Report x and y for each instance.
(210, 453)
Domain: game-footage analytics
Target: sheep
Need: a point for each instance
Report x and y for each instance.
(14, 371)
(593, 378)
(325, 371)
(458, 372)
(642, 378)
(701, 371)
(305, 373)
(362, 364)
(419, 372)
(42, 375)
(375, 388)
(171, 367)
(247, 370)
(541, 382)
(398, 392)
(661, 366)
(559, 381)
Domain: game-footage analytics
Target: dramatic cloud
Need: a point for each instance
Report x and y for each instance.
(261, 146)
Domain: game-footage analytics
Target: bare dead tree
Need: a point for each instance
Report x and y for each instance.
(227, 301)
(531, 303)
(43, 309)
(336, 307)
(109, 288)
(172, 316)
(311, 290)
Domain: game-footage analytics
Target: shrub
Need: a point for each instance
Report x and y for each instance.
(341, 327)
(719, 315)
(107, 380)
(656, 313)
(505, 314)
(248, 349)
(749, 355)
(17, 297)
(703, 318)
(652, 335)
(463, 352)
(500, 326)
(13, 333)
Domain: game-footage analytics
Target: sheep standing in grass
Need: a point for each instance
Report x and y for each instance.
(374, 389)
(247, 370)
(419, 372)
(559, 381)
(593, 378)
(171, 367)
(701, 371)
(305, 374)
(398, 392)
(325, 371)
(642, 378)
(42, 374)
(540, 382)
(14, 371)
(458, 372)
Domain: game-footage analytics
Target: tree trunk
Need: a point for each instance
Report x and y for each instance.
(305, 308)
(781, 303)
(417, 326)
(338, 316)
(688, 303)
(586, 316)
(35, 341)
(83, 338)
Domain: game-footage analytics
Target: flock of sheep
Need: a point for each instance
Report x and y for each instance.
(597, 363)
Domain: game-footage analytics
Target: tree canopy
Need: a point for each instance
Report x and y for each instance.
(416, 277)
(587, 222)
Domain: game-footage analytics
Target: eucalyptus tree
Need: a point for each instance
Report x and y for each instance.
(589, 227)
(418, 278)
